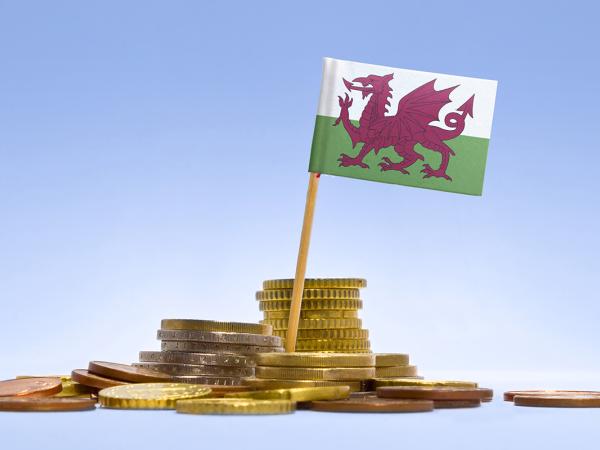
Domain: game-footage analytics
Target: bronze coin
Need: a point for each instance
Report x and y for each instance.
(30, 387)
(447, 404)
(46, 404)
(559, 401)
(434, 393)
(510, 395)
(125, 372)
(370, 403)
(86, 378)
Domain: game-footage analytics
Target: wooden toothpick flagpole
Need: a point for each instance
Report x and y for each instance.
(309, 210)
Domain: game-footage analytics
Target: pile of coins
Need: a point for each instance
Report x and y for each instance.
(329, 319)
(209, 352)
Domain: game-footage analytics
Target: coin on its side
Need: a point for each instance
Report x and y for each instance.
(317, 359)
(125, 372)
(434, 393)
(306, 373)
(510, 395)
(30, 387)
(212, 325)
(216, 347)
(235, 406)
(317, 283)
(368, 404)
(266, 383)
(193, 369)
(150, 395)
(559, 401)
(306, 394)
(86, 378)
(391, 359)
(46, 404)
(219, 337)
(395, 371)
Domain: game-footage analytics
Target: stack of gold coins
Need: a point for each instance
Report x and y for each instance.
(209, 352)
(329, 319)
(394, 365)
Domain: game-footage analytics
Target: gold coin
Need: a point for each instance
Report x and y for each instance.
(314, 314)
(318, 283)
(559, 401)
(235, 406)
(315, 324)
(391, 359)
(306, 394)
(73, 389)
(304, 373)
(380, 382)
(337, 304)
(150, 395)
(398, 371)
(211, 325)
(334, 333)
(266, 383)
(308, 294)
(315, 359)
(333, 345)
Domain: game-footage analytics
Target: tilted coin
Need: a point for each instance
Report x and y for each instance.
(372, 404)
(391, 359)
(335, 333)
(86, 378)
(219, 337)
(216, 347)
(433, 393)
(559, 401)
(150, 395)
(454, 404)
(208, 380)
(62, 377)
(204, 359)
(310, 305)
(193, 369)
(235, 406)
(380, 382)
(69, 387)
(298, 359)
(306, 394)
(510, 395)
(30, 387)
(332, 345)
(46, 404)
(125, 372)
(308, 294)
(314, 314)
(266, 383)
(303, 373)
(399, 371)
(211, 325)
(317, 283)
(312, 324)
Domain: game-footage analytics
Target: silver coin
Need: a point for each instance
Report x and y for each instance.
(199, 379)
(203, 359)
(191, 369)
(220, 337)
(216, 347)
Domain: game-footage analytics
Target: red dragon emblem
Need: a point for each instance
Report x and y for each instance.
(409, 127)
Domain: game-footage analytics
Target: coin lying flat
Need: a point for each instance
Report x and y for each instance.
(313, 314)
(62, 377)
(211, 325)
(372, 404)
(193, 369)
(150, 395)
(235, 406)
(125, 372)
(379, 382)
(396, 371)
(510, 395)
(391, 359)
(433, 393)
(559, 401)
(311, 305)
(333, 345)
(335, 333)
(297, 359)
(306, 394)
(315, 324)
(73, 389)
(203, 359)
(304, 373)
(46, 404)
(455, 404)
(217, 390)
(219, 337)
(308, 294)
(266, 383)
(86, 378)
(30, 387)
(216, 347)
(317, 283)
(208, 380)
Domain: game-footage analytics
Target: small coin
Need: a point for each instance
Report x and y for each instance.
(303, 373)
(211, 325)
(314, 314)
(265, 383)
(372, 404)
(317, 283)
(219, 390)
(310, 305)
(46, 404)
(451, 404)
(219, 337)
(38, 387)
(69, 387)
(62, 377)
(125, 372)
(339, 333)
(208, 380)
(306, 394)
(380, 382)
(398, 371)
(390, 359)
(235, 406)
(333, 345)
(203, 359)
(433, 393)
(193, 369)
(299, 359)
(308, 294)
(216, 347)
(510, 395)
(312, 324)
(559, 401)
(150, 395)
(87, 378)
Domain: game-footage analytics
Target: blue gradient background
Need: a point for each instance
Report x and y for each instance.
(147, 171)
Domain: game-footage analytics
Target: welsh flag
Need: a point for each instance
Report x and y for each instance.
(401, 126)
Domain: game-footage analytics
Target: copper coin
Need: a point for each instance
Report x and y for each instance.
(125, 372)
(370, 403)
(510, 395)
(46, 404)
(30, 387)
(559, 401)
(86, 378)
(447, 404)
(434, 393)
